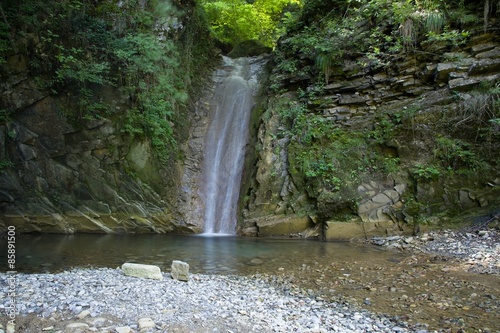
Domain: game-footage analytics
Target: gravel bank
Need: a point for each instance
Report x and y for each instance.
(477, 250)
(108, 301)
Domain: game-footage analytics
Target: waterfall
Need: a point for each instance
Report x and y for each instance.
(225, 141)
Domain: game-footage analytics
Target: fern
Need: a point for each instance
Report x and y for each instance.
(325, 63)
(434, 22)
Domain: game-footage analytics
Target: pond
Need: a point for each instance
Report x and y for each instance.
(207, 255)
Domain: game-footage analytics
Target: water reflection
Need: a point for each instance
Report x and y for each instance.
(208, 255)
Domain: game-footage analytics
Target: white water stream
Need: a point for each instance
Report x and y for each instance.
(225, 142)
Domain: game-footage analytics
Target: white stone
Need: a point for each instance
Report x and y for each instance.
(123, 329)
(146, 323)
(180, 270)
(83, 314)
(97, 322)
(76, 328)
(142, 271)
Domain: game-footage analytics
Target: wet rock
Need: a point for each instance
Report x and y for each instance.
(256, 262)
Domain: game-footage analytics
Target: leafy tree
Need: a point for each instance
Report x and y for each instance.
(234, 21)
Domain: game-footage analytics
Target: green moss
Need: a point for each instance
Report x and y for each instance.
(5, 164)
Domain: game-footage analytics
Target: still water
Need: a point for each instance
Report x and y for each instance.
(207, 255)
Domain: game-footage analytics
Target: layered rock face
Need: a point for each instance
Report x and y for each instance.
(84, 177)
(279, 203)
(61, 176)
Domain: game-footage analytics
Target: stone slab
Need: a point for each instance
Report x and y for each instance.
(142, 271)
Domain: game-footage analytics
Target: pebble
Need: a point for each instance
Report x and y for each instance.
(219, 303)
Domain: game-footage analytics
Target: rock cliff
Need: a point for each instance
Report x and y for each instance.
(404, 113)
(89, 177)
(94, 126)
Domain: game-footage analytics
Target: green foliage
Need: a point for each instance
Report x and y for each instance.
(383, 130)
(4, 41)
(327, 157)
(73, 67)
(455, 154)
(4, 116)
(475, 123)
(391, 165)
(426, 172)
(88, 107)
(234, 21)
(414, 212)
(5, 164)
(453, 37)
(376, 31)
(140, 48)
(388, 123)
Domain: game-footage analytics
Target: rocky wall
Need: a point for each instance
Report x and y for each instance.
(82, 176)
(354, 99)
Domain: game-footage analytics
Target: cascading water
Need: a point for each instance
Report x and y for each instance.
(227, 136)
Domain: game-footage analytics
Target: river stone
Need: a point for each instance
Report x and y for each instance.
(142, 271)
(180, 270)
(76, 328)
(83, 314)
(145, 323)
(10, 328)
(256, 262)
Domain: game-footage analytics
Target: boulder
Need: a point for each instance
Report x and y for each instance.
(180, 270)
(142, 271)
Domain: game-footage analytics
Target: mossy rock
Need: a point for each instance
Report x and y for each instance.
(332, 204)
(249, 48)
